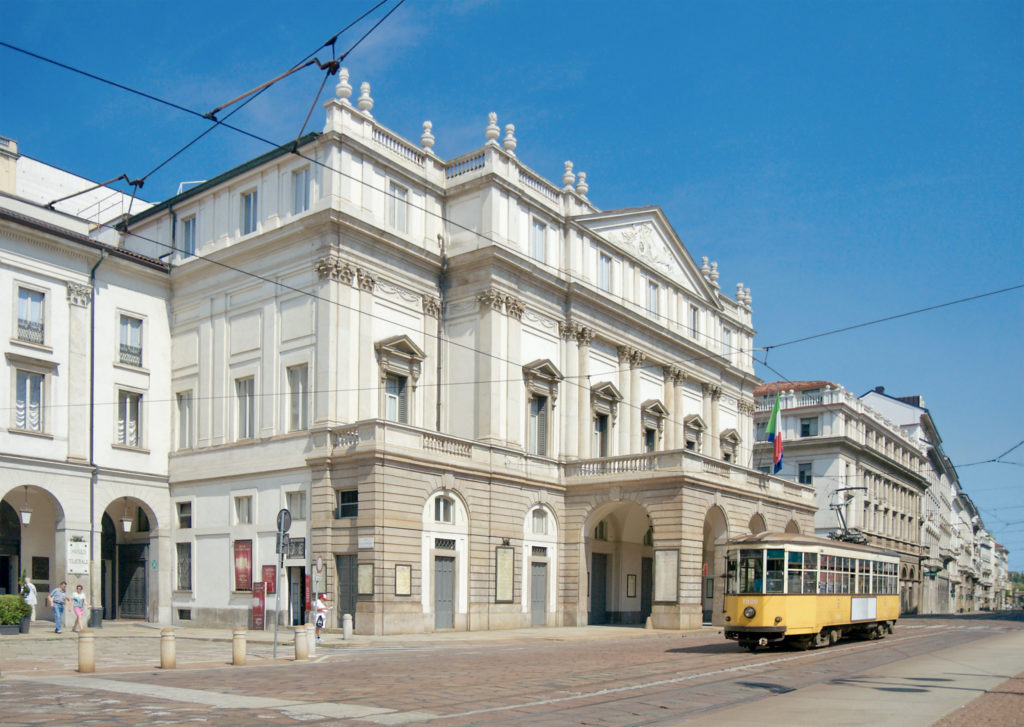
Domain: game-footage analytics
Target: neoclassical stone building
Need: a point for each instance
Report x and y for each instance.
(485, 402)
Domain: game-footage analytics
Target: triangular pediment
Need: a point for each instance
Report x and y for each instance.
(606, 390)
(654, 407)
(645, 234)
(401, 345)
(731, 436)
(543, 368)
(694, 421)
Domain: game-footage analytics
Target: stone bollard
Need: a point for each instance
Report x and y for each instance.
(238, 647)
(346, 626)
(301, 645)
(167, 656)
(311, 640)
(86, 652)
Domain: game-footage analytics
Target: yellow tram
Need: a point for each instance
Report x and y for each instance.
(808, 591)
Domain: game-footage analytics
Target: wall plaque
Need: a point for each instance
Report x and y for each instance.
(666, 576)
(504, 565)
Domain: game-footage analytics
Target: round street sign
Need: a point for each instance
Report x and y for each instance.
(284, 520)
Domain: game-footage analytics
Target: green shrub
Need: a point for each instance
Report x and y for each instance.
(12, 609)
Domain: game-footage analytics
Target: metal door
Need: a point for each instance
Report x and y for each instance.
(598, 589)
(131, 581)
(348, 574)
(444, 592)
(646, 587)
(297, 595)
(538, 594)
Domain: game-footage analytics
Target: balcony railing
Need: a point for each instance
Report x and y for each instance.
(30, 331)
(131, 355)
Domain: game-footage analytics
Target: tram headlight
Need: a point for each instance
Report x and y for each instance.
(750, 612)
(778, 619)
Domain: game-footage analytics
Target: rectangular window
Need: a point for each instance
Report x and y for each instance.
(243, 510)
(652, 298)
(296, 503)
(346, 503)
(694, 321)
(129, 419)
(249, 211)
(396, 407)
(601, 435)
(188, 236)
(243, 565)
(651, 440)
(185, 438)
(444, 510)
(300, 190)
(539, 425)
(604, 273)
(30, 315)
(245, 390)
(804, 474)
(298, 398)
(184, 566)
(809, 427)
(538, 244)
(540, 522)
(184, 515)
(398, 207)
(726, 342)
(131, 341)
(28, 412)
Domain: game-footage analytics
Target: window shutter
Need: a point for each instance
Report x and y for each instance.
(542, 426)
(403, 401)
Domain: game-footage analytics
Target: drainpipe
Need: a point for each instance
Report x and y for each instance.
(96, 562)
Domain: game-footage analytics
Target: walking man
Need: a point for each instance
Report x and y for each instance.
(57, 598)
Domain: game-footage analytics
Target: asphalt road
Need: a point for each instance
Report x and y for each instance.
(594, 676)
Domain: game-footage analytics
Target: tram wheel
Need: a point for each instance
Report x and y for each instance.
(833, 636)
(803, 643)
(822, 639)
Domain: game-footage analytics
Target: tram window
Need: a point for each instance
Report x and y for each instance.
(864, 577)
(776, 568)
(795, 573)
(730, 573)
(751, 571)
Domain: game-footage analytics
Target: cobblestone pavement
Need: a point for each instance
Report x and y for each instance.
(590, 676)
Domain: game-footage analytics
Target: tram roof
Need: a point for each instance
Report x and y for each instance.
(805, 541)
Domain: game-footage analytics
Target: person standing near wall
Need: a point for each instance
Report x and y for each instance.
(57, 598)
(28, 592)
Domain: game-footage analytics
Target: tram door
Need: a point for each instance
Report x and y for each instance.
(538, 594)
(444, 592)
(598, 589)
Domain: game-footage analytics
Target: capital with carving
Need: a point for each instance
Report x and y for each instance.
(432, 306)
(514, 307)
(673, 374)
(746, 406)
(79, 294)
(366, 280)
(634, 356)
(491, 298)
(567, 330)
(585, 335)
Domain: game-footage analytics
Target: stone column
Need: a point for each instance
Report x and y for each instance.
(636, 362)
(79, 299)
(430, 395)
(321, 510)
(625, 353)
(671, 374)
(489, 391)
(512, 386)
(572, 444)
(585, 419)
(716, 441)
(369, 371)
(705, 413)
(679, 417)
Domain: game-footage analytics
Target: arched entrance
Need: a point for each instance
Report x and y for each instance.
(619, 555)
(32, 543)
(126, 553)
(10, 548)
(716, 533)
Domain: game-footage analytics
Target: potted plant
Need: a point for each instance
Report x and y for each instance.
(13, 611)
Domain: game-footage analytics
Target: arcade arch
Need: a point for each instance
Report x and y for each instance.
(618, 559)
(716, 533)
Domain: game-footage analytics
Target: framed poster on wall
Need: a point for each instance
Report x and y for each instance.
(504, 565)
(403, 579)
(666, 576)
(364, 579)
(243, 565)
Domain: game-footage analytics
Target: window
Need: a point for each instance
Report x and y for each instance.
(28, 411)
(184, 515)
(601, 435)
(188, 236)
(650, 440)
(398, 207)
(131, 341)
(346, 503)
(129, 419)
(249, 210)
(185, 438)
(652, 297)
(694, 321)
(296, 503)
(243, 510)
(540, 522)
(604, 273)
(804, 474)
(300, 190)
(539, 425)
(538, 245)
(298, 398)
(30, 315)
(244, 396)
(444, 509)
(809, 427)
(184, 566)
(396, 404)
(761, 432)
(601, 530)
(726, 342)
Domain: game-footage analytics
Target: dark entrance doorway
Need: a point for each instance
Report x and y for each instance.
(646, 587)
(132, 581)
(598, 589)
(348, 574)
(10, 548)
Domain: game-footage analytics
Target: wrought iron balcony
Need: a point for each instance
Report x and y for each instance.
(131, 355)
(30, 331)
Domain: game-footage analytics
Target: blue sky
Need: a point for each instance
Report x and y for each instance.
(847, 161)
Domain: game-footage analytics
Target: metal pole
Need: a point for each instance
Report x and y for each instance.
(277, 586)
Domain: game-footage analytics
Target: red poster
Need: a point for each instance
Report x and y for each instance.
(243, 565)
(259, 605)
(270, 578)
(705, 570)
(309, 587)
